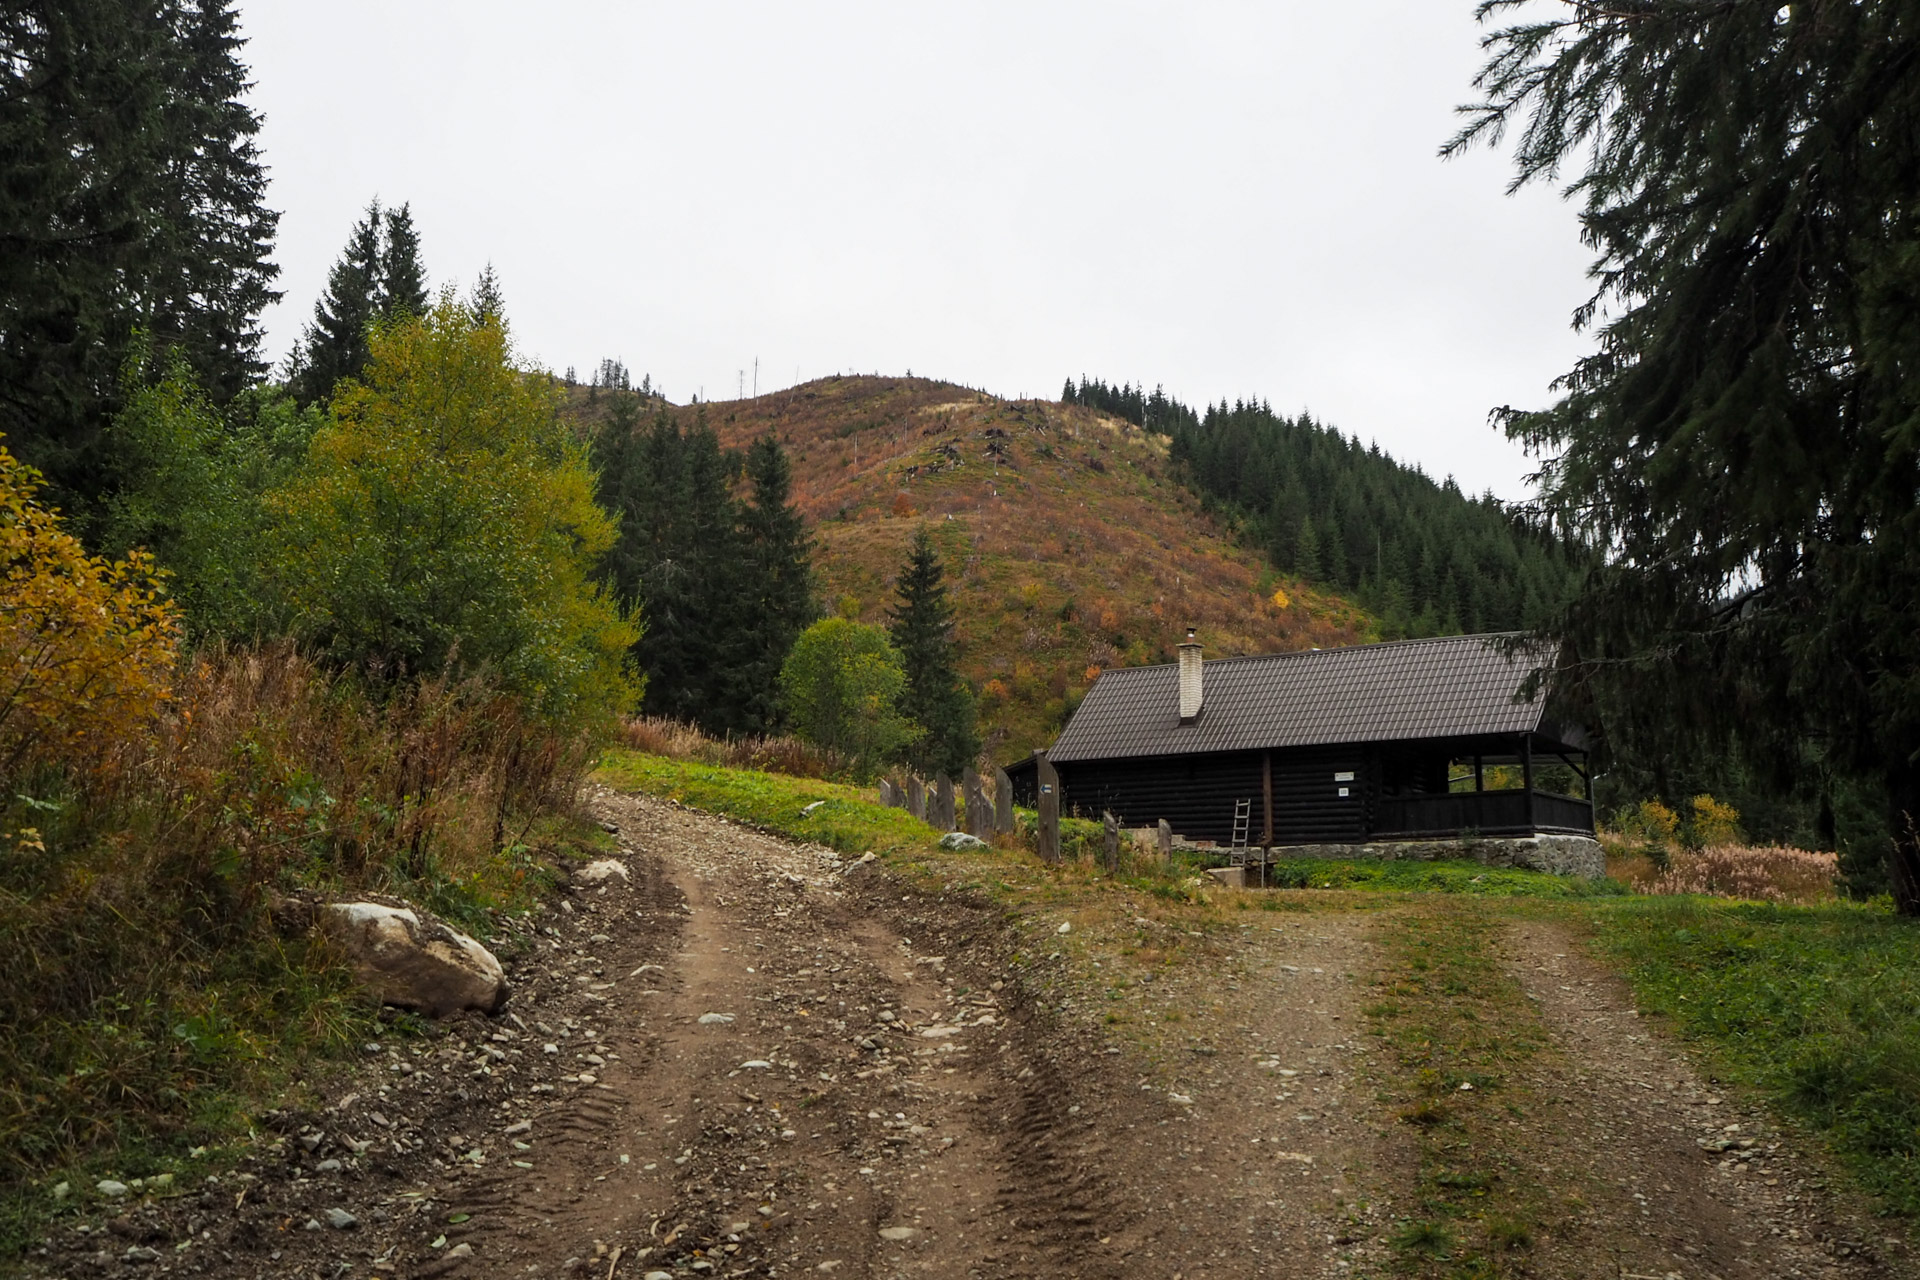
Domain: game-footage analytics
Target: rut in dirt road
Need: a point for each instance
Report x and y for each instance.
(782, 1082)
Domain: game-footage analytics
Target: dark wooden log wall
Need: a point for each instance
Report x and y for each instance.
(1196, 795)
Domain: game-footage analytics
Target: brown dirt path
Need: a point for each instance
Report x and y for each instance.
(1679, 1178)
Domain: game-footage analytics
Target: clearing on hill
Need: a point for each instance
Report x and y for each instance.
(1069, 545)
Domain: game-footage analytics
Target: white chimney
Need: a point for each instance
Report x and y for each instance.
(1190, 690)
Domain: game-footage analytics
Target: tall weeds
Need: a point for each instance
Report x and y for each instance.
(146, 988)
(659, 736)
(1760, 874)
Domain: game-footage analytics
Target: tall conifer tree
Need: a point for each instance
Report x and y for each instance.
(403, 277)
(777, 599)
(488, 303)
(1744, 438)
(378, 278)
(335, 345)
(922, 630)
(132, 201)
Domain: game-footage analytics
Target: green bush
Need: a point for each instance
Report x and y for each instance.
(444, 522)
(842, 683)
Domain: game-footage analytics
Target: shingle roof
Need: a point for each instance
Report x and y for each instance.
(1458, 686)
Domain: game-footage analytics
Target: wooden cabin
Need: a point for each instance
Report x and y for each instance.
(1414, 740)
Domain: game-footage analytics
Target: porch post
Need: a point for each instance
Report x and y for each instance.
(1526, 776)
(1266, 799)
(1266, 810)
(1479, 774)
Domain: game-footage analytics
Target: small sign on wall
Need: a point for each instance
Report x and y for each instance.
(1346, 776)
(1343, 792)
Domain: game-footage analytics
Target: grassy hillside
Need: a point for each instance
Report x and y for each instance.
(1069, 546)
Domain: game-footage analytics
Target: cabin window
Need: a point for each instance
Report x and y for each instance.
(1559, 778)
(1502, 775)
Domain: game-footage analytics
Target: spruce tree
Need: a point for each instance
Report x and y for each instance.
(489, 305)
(379, 278)
(679, 556)
(921, 628)
(776, 597)
(335, 345)
(403, 278)
(131, 203)
(1743, 439)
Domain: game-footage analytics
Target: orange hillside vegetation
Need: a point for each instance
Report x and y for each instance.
(1069, 548)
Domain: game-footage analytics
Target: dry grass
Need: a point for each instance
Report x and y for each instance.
(146, 993)
(659, 736)
(1763, 874)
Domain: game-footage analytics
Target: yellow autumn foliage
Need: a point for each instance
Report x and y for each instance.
(88, 646)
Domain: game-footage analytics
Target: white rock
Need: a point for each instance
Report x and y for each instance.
(341, 1220)
(756, 1064)
(460, 1251)
(715, 1019)
(604, 869)
(898, 1233)
(414, 963)
(1066, 926)
(961, 842)
(110, 1189)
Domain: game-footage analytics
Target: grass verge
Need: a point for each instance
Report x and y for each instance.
(1817, 1008)
(1470, 878)
(1462, 1037)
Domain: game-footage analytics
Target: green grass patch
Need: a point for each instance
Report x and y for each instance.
(1470, 878)
(1462, 1039)
(842, 817)
(1817, 1008)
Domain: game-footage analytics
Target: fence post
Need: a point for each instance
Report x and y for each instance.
(1166, 841)
(1002, 801)
(1048, 835)
(886, 794)
(942, 816)
(916, 797)
(1112, 834)
(979, 822)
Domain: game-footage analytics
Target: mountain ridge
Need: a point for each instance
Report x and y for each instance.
(1069, 543)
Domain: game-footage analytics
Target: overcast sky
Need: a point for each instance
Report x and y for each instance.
(1230, 199)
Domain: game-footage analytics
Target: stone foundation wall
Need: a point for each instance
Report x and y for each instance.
(1561, 855)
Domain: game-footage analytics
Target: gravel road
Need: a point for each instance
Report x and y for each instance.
(727, 1054)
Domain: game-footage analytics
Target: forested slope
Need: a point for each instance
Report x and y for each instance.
(1069, 545)
(1420, 555)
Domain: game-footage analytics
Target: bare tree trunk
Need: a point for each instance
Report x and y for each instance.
(1903, 851)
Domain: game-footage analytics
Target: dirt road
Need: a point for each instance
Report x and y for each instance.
(729, 1055)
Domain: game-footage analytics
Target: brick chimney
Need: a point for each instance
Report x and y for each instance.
(1190, 690)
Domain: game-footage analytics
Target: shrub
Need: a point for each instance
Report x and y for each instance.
(842, 684)
(1711, 823)
(1647, 830)
(87, 645)
(147, 983)
(444, 522)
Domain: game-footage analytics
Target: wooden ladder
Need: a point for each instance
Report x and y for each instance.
(1242, 815)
